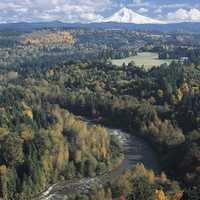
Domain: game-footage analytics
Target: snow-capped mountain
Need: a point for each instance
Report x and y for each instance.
(126, 15)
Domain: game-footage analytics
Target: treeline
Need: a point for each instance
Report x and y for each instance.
(187, 55)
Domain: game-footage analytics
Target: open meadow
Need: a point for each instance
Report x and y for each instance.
(146, 59)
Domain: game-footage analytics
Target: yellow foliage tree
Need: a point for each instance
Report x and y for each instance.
(160, 195)
(46, 37)
(28, 113)
(27, 110)
(3, 182)
(62, 156)
(26, 132)
(3, 132)
(160, 93)
(179, 94)
(3, 169)
(177, 196)
(78, 156)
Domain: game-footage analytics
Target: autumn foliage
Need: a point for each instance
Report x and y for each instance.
(160, 195)
(48, 37)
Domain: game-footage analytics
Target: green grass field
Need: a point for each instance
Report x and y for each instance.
(146, 59)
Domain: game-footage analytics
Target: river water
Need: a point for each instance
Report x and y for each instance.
(136, 151)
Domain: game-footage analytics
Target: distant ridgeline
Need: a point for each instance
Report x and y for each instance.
(176, 27)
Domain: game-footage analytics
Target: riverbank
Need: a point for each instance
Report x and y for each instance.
(135, 151)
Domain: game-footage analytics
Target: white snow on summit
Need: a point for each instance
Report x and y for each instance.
(126, 15)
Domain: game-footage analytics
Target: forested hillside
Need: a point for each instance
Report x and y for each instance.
(49, 78)
(41, 143)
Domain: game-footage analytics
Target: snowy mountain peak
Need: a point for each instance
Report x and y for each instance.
(125, 10)
(125, 15)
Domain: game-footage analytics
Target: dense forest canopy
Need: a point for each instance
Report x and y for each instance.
(49, 77)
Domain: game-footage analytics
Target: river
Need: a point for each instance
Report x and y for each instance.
(136, 151)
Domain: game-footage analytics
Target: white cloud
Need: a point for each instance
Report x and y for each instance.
(192, 15)
(88, 10)
(175, 5)
(48, 10)
(143, 10)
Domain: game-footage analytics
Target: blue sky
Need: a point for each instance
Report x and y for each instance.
(90, 10)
